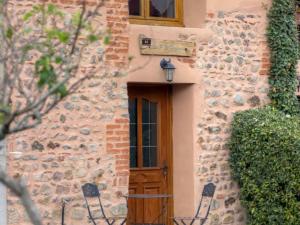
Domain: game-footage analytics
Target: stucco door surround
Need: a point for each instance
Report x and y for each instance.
(150, 153)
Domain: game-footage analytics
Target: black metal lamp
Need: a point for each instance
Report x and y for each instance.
(168, 68)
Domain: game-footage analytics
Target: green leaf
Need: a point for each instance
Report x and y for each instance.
(58, 60)
(93, 38)
(76, 18)
(9, 33)
(27, 48)
(51, 8)
(2, 118)
(63, 36)
(62, 91)
(27, 16)
(106, 40)
(7, 110)
(43, 77)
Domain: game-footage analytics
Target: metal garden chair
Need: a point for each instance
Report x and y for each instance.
(91, 191)
(207, 194)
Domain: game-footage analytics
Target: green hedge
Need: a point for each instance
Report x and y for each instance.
(283, 42)
(265, 160)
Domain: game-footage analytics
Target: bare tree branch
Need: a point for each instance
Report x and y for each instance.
(18, 187)
(26, 97)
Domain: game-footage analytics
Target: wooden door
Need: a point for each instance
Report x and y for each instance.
(150, 153)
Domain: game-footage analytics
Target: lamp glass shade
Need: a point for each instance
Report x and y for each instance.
(169, 74)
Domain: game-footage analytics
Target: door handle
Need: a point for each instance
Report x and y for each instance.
(164, 169)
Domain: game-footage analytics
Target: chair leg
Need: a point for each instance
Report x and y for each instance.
(174, 220)
(183, 222)
(202, 221)
(124, 221)
(192, 222)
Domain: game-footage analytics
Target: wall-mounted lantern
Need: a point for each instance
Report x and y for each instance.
(168, 68)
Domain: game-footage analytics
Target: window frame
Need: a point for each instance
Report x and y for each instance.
(146, 19)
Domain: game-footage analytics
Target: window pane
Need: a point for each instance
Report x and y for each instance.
(150, 156)
(133, 132)
(133, 110)
(134, 7)
(145, 111)
(153, 135)
(149, 135)
(133, 157)
(153, 112)
(162, 8)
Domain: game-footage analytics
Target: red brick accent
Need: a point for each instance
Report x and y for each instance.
(117, 21)
(117, 144)
(210, 15)
(265, 59)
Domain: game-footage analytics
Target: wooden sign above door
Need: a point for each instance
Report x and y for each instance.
(151, 46)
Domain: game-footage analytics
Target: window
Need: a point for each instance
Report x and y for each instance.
(156, 12)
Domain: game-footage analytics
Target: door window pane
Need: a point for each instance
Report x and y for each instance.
(150, 156)
(134, 7)
(149, 135)
(133, 132)
(162, 8)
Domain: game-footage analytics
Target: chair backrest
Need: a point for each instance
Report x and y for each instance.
(208, 193)
(209, 190)
(90, 190)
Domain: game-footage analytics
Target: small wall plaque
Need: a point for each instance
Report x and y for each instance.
(146, 42)
(150, 46)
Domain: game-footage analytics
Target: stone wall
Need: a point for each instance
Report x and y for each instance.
(233, 65)
(84, 139)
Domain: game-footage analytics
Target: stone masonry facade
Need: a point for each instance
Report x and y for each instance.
(86, 138)
(234, 64)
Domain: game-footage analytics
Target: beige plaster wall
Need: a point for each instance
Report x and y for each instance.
(194, 13)
(251, 6)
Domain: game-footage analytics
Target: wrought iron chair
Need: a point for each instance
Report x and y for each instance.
(91, 191)
(208, 194)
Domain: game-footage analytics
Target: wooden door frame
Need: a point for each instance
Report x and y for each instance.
(169, 141)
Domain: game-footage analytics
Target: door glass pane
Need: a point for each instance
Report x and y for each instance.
(149, 129)
(133, 132)
(134, 7)
(162, 8)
